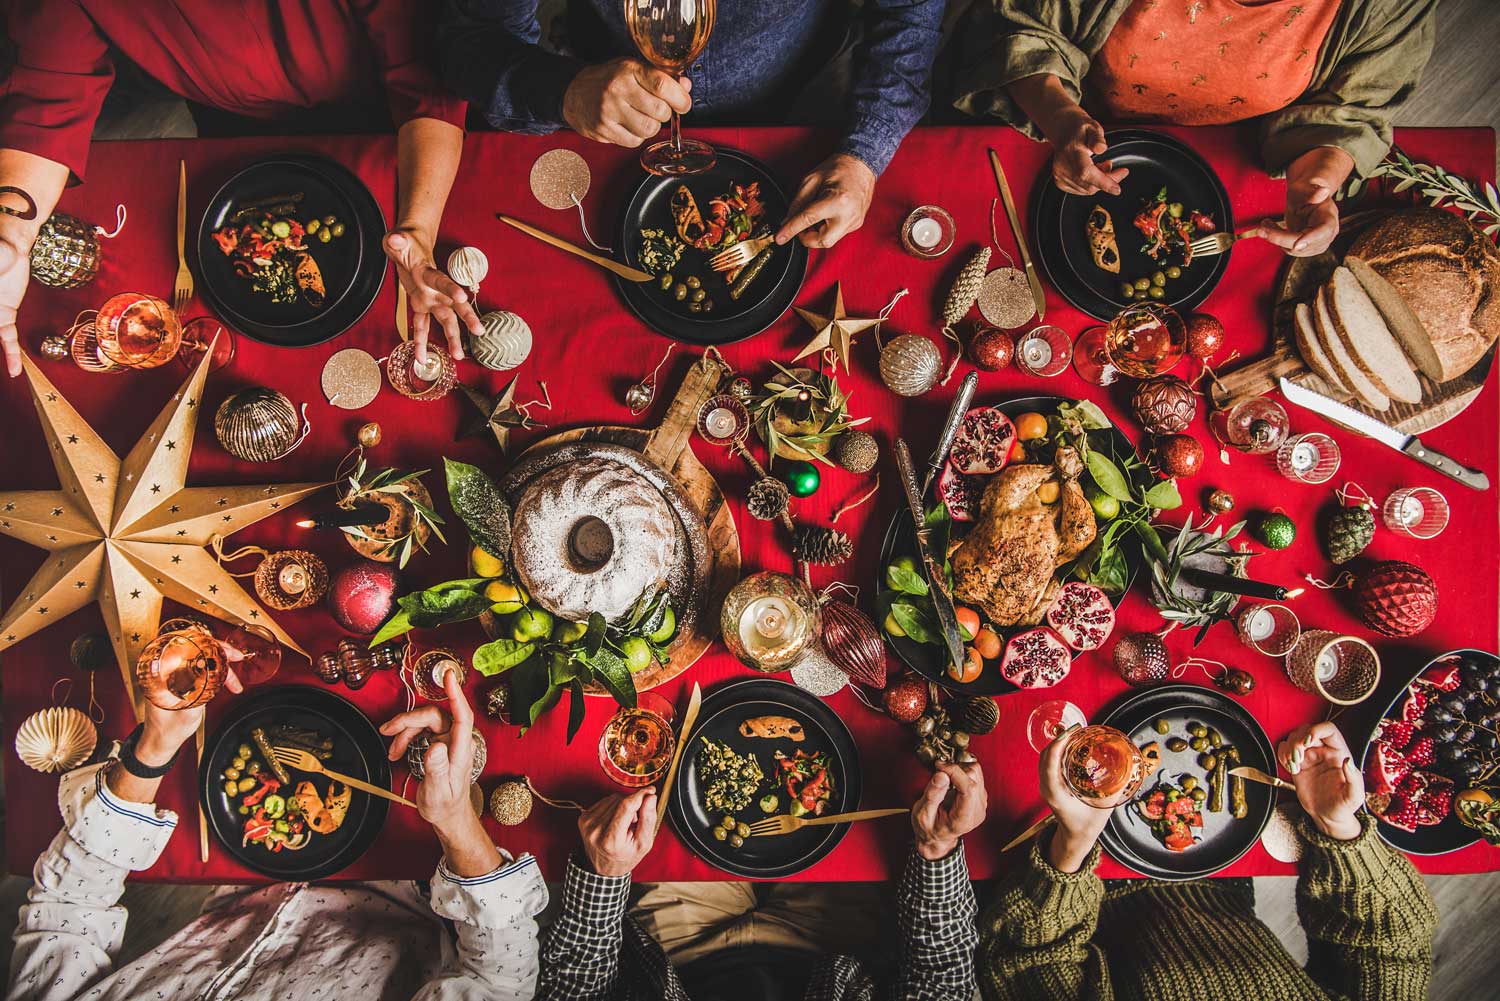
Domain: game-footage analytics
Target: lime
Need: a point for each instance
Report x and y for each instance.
(668, 626)
(1103, 504)
(637, 654)
(905, 563)
(570, 632)
(530, 624)
(507, 598)
(893, 627)
(485, 565)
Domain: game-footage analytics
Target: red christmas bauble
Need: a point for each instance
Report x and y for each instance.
(906, 699)
(363, 595)
(1396, 598)
(1205, 335)
(1179, 455)
(991, 349)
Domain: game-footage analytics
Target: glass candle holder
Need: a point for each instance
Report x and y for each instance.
(1416, 512)
(137, 331)
(928, 232)
(1342, 669)
(770, 620)
(723, 421)
(430, 672)
(197, 335)
(1269, 629)
(636, 746)
(182, 667)
(1308, 458)
(1256, 426)
(1091, 357)
(291, 579)
(1145, 340)
(431, 380)
(1045, 351)
(83, 345)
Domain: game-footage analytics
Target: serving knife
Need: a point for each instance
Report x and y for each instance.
(937, 584)
(1256, 775)
(1407, 444)
(950, 428)
(623, 270)
(1015, 229)
(688, 719)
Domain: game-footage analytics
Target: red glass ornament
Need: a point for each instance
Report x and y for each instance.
(906, 699)
(852, 642)
(991, 349)
(1396, 598)
(1205, 335)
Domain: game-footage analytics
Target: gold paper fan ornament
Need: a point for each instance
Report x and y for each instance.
(56, 740)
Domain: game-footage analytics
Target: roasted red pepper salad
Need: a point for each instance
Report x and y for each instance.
(1170, 227)
(278, 814)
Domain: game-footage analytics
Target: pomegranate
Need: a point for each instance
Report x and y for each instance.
(1142, 659)
(1082, 615)
(1385, 769)
(1430, 795)
(1037, 658)
(960, 494)
(1414, 706)
(1443, 675)
(983, 442)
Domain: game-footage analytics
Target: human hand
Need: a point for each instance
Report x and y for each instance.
(1076, 140)
(618, 831)
(831, 202)
(164, 731)
(443, 795)
(952, 805)
(1079, 821)
(1312, 216)
(624, 102)
(431, 293)
(1329, 785)
(15, 275)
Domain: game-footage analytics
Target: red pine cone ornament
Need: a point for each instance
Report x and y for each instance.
(1396, 598)
(1164, 404)
(852, 642)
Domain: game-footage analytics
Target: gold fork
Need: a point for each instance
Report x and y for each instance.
(182, 287)
(305, 762)
(740, 254)
(1214, 243)
(787, 824)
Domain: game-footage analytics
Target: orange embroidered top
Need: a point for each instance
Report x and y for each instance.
(1207, 62)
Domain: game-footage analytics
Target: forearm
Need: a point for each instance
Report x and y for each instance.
(427, 155)
(936, 910)
(490, 57)
(1047, 103)
(467, 849)
(581, 953)
(894, 85)
(43, 181)
(495, 916)
(1328, 166)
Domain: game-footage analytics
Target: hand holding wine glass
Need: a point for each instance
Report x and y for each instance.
(1080, 821)
(624, 102)
(670, 34)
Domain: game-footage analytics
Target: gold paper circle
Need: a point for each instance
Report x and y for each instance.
(351, 379)
(1005, 299)
(557, 176)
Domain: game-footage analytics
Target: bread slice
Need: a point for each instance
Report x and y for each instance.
(1369, 341)
(1409, 331)
(1349, 373)
(1311, 350)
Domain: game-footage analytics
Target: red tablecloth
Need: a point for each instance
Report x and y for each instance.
(589, 349)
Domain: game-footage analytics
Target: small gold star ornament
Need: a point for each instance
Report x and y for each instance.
(497, 414)
(835, 331)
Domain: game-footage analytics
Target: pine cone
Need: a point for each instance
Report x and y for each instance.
(767, 499)
(826, 546)
(1349, 532)
(965, 290)
(856, 451)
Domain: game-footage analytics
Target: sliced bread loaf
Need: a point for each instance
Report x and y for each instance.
(1311, 350)
(1348, 372)
(1368, 340)
(1409, 331)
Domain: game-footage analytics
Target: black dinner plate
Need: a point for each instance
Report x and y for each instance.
(358, 751)
(719, 720)
(1223, 839)
(1155, 160)
(732, 320)
(353, 265)
(930, 661)
(1452, 834)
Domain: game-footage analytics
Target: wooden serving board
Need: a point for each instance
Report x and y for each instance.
(1297, 281)
(668, 446)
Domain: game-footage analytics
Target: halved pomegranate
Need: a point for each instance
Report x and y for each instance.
(959, 493)
(1414, 706)
(1082, 614)
(1037, 658)
(983, 442)
(1385, 769)
(1443, 675)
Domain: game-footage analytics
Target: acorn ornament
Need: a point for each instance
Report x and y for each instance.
(1396, 598)
(1221, 501)
(1164, 404)
(1351, 528)
(505, 343)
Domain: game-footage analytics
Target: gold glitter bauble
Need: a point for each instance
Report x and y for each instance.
(558, 177)
(1005, 299)
(510, 803)
(369, 434)
(351, 379)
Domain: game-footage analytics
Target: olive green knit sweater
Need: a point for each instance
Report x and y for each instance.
(1055, 935)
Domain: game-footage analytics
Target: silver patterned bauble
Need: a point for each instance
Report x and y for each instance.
(257, 425)
(505, 343)
(910, 365)
(66, 252)
(416, 754)
(639, 396)
(468, 266)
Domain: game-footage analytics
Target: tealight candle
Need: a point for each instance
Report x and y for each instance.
(1416, 512)
(926, 233)
(427, 369)
(1044, 351)
(292, 578)
(1308, 458)
(1261, 624)
(720, 422)
(1327, 665)
(769, 620)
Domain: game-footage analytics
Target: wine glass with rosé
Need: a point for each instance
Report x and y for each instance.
(1051, 720)
(671, 34)
(1102, 766)
(1145, 340)
(636, 747)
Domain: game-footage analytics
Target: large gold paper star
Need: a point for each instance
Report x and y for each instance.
(129, 533)
(497, 414)
(835, 332)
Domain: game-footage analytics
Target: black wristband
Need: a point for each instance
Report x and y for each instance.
(134, 765)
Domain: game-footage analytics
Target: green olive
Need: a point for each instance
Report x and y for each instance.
(695, 307)
(720, 834)
(736, 840)
(253, 768)
(1197, 730)
(742, 829)
(1215, 739)
(1199, 795)
(1158, 278)
(243, 751)
(726, 822)
(244, 811)
(698, 295)
(325, 235)
(1173, 271)
(1189, 782)
(679, 292)
(1127, 290)
(1208, 762)
(1142, 284)
(246, 784)
(232, 773)
(693, 281)
(312, 226)
(338, 229)
(231, 788)
(1157, 292)
(665, 281)
(1198, 743)
(238, 762)
(708, 305)
(1177, 744)
(1162, 726)
(1175, 210)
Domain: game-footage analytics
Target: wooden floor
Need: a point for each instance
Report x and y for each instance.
(1460, 87)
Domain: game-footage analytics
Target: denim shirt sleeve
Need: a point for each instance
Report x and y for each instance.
(893, 84)
(489, 56)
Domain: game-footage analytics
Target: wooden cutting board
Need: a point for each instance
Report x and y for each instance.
(1297, 281)
(668, 445)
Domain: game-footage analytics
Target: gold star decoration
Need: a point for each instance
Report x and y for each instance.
(129, 533)
(835, 331)
(497, 414)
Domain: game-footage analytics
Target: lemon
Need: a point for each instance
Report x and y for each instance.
(637, 654)
(893, 627)
(570, 632)
(507, 598)
(530, 624)
(667, 628)
(485, 565)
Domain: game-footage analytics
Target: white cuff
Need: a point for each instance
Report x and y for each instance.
(496, 899)
(126, 834)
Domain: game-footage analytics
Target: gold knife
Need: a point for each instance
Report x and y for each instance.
(688, 720)
(1015, 229)
(623, 270)
(1256, 775)
(202, 817)
(1026, 835)
(401, 321)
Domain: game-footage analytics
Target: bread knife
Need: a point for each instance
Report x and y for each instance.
(937, 583)
(950, 428)
(1407, 444)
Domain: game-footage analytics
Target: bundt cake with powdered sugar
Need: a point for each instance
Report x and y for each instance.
(592, 536)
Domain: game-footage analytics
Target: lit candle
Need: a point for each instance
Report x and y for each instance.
(358, 514)
(720, 422)
(926, 232)
(292, 579)
(1327, 665)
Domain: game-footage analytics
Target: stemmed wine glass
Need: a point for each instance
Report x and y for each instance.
(671, 34)
(184, 666)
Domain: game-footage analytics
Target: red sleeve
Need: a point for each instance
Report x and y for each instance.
(50, 98)
(405, 43)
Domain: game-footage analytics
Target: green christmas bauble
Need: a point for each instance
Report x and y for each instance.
(1275, 531)
(801, 478)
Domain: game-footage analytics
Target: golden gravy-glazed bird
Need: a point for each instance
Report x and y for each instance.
(1007, 560)
(1075, 520)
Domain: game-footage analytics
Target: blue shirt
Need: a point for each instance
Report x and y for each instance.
(490, 56)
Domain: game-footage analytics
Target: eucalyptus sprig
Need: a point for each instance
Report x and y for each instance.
(818, 393)
(1191, 542)
(1440, 188)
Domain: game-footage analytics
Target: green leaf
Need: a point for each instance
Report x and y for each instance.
(1163, 496)
(499, 656)
(1151, 540)
(548, 699)
(463, 584)
(395, 626)
(1085, 412)
(481, 506)
(613, 674)
(575, 708)
(528, 683)
(917, 622)
(1111, 572)
(1107, 476)
(593, 640)
(441, 608)
(906, 581)
(565, 668)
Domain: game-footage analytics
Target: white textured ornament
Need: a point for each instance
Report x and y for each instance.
(468, 266)
(56, 739)
(818, 675)
(505, 343)
(910, 365)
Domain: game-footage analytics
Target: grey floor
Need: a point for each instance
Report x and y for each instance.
(1460, 87)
